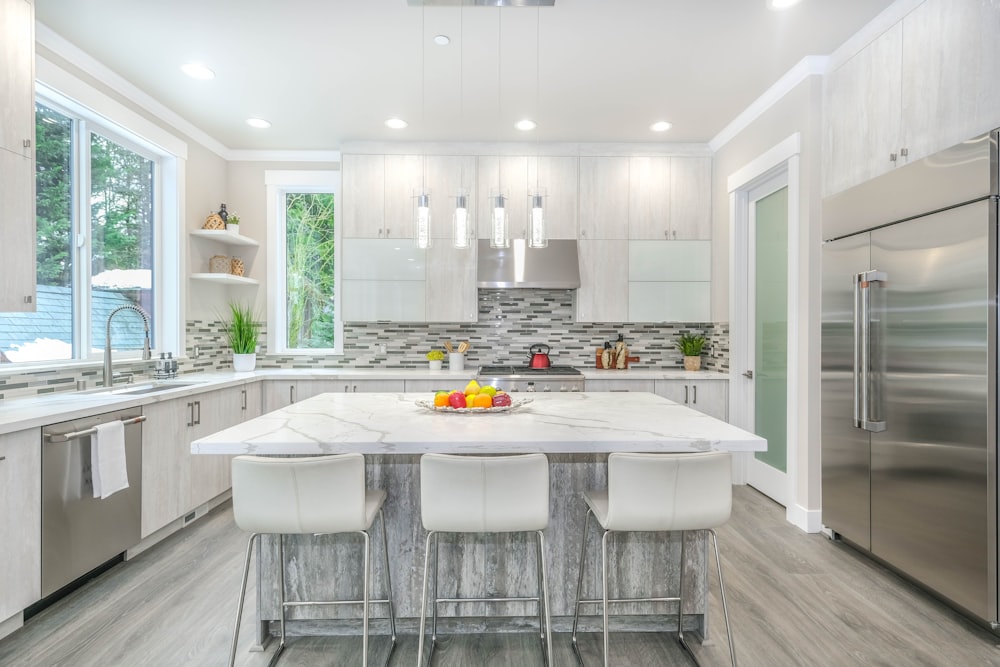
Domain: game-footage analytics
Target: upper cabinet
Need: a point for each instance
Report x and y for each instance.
(446, 176)
(364, 196)
(17, 150)
(604, 198)
(670, 198)
(914, 90)
(509, 175)
(559, 178)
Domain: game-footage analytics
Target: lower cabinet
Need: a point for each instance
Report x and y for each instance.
(281, 393)
(174, 481)
(619, 384)
(20, 521)
(708, 396)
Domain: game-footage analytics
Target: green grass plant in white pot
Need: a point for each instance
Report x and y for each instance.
(242, 330)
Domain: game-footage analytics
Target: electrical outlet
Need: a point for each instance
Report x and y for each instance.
(382, 348)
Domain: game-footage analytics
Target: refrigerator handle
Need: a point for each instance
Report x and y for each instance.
(863, 389)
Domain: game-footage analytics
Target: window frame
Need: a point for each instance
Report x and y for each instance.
(168, 155)
(278, 183)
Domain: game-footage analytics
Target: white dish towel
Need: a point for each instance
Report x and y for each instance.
(107, 459)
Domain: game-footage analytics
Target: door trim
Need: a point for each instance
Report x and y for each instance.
(783, 157)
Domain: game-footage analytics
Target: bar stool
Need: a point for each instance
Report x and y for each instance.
(654, 493)
(308, 495)
(484, 494)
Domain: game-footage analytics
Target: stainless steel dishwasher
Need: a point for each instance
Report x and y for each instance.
(80, 532)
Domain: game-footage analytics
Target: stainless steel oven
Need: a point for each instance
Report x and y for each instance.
(525, 379)
(80, 532)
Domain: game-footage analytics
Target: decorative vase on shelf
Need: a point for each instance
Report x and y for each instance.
(435, 364)
(244, 363)
(692, 363)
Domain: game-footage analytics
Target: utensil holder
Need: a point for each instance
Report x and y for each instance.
(456, 362)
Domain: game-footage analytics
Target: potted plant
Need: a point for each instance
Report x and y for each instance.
(435, 358)
(242, 329)
(690, 346)
(233, 223)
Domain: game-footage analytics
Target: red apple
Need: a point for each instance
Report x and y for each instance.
(456, 399)
(501, 400)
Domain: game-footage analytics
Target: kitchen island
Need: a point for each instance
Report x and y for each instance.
(575, 430)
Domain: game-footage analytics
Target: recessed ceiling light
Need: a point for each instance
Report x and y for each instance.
(442, 40)
(660, 126)
(197, 71)
(781, 4)
(525, 125)
(259, 123)
(396, 123)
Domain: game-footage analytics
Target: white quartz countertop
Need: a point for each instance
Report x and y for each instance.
(30, 412)
(567, 423)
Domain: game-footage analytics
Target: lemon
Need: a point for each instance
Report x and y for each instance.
(472, 387)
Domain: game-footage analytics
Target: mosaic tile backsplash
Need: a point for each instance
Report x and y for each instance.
(510, 322)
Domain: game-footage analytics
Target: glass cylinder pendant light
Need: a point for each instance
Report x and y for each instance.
(537, 234)
(461, 230)
(422, 218)
(499, 237)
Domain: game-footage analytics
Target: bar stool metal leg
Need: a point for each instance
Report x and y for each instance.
(364, 599)
(543, 601)
(423, 600)
(722, 592)
(388, 586)
(579, 580)
(604, 580)
(243, 595)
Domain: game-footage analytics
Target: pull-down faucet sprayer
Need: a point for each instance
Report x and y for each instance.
(147, 354)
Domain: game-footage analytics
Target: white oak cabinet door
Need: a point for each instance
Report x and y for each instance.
(690, 198)
(17, 213)
(363, 178)
(446, 175)
(508, 173)
(20, 521)
(649, 198)
(252, 399)
(708, 396)
(450, 291)
(210, 475)
(862, 98)
(404, 174)
(165, 453)
(603, 292)
(281, 393)
(559, 178)
(17, 77)
(950, 70)
(604, 198)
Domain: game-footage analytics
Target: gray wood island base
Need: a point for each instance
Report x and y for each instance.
(576, 431)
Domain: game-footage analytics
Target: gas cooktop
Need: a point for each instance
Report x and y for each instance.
(500, 371)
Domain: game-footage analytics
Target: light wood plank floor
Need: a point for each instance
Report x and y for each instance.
(795, 599)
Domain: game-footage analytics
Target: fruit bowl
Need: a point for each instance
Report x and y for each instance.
(516, 403)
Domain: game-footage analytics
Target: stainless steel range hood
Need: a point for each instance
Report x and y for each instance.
(554, 267)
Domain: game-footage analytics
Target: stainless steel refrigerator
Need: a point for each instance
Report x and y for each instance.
(909, 372)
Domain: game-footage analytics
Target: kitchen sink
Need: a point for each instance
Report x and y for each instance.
(149, 388)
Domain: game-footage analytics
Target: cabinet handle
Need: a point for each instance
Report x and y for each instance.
(892, 157)
(354, 389)
(26, 143)
(190, 407)
(197, 405)
(347, 388)
(583, 233)
(3, 458)
(903, 152)
(685, 394)
(291, 393)
(243, 394)
(28, 298)
(675, 234)
(694, 392)
(666, 233)
(387, 232)
(380, 232)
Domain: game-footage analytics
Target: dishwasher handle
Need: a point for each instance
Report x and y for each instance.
(73, 435)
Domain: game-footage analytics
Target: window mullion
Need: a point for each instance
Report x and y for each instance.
(82, 339)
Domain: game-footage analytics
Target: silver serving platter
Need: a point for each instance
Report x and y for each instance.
(515, 403)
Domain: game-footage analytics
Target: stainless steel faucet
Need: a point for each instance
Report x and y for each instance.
(147, 354)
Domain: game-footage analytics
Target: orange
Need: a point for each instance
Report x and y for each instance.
(440, 400)
(482, 401)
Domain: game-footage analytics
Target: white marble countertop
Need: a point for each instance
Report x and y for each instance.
(31, 412)
(555, 423)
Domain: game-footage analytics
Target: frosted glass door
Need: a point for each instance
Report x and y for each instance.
(771, 326)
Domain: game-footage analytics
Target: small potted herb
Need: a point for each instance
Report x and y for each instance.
(241, 329)
(435, 358)
(233, 223)
(690, 346)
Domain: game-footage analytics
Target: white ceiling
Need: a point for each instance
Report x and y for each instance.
(326, 72)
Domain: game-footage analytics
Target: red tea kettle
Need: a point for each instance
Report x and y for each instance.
(539, 353)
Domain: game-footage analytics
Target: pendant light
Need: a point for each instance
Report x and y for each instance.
(461, 229)
(499, 232)
(422, 195)
(537, 233)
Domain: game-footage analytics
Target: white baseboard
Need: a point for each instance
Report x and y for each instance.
(809, 521)
(11, 624)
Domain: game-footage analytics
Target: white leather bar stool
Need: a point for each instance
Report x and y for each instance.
(309, 495)
(654, 493)
(484, 494)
